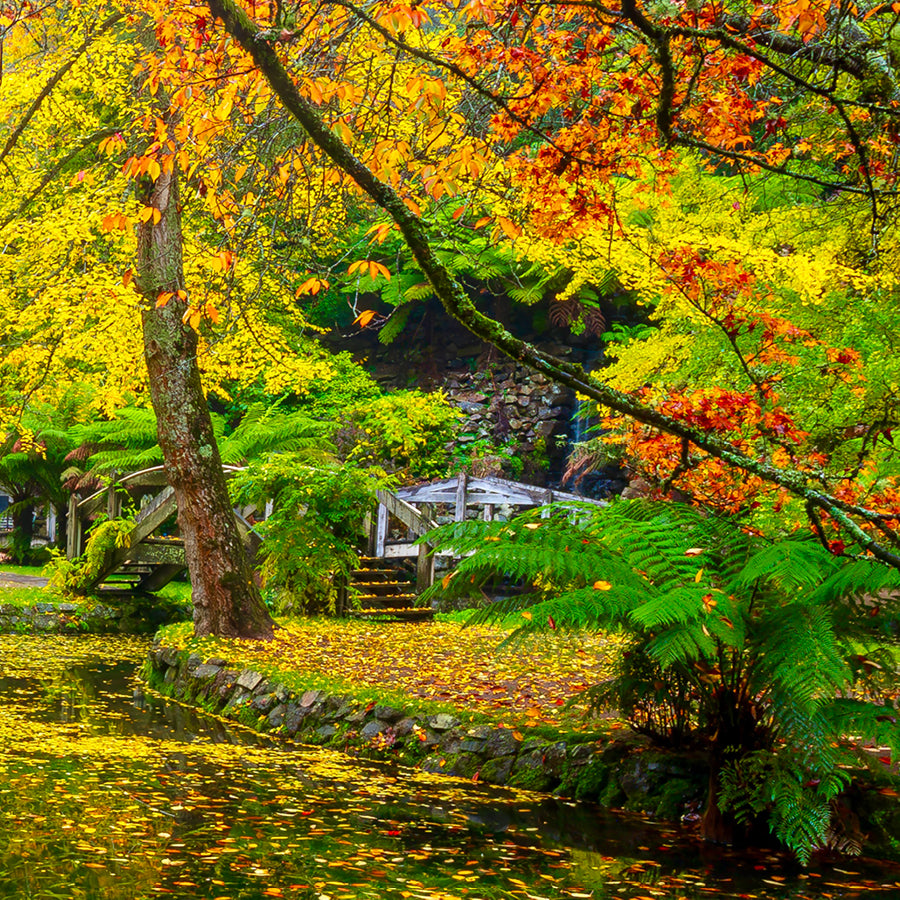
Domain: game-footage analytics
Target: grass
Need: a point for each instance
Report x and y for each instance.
(437, 666)
(22, 570)
(22, 596)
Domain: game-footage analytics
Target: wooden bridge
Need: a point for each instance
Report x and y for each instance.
(391, 574)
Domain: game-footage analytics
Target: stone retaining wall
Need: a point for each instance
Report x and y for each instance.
(132, 615)
(621, 774)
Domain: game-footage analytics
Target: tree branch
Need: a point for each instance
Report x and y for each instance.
(55, 79)
(459, 305)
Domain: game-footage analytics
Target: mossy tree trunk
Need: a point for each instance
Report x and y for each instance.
(226, 600)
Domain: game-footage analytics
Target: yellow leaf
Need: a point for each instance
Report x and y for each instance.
(482, 222)
(698, 576)
(602, 586)
(526, 614)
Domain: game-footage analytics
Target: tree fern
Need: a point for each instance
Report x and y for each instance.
(749, 647)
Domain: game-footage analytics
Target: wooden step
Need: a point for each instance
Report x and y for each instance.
(396, 615)
(398, 600)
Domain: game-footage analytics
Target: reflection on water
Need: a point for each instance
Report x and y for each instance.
(109, 792)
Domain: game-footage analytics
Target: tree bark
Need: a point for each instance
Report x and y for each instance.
(226, 601)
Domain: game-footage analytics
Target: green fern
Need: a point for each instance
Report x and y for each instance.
(741, 645)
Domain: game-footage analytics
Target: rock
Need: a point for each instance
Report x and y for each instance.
(479, 732)
(263, 688)
(216, 661)
(168, 656)
(276, 716)
(373, 729)
(466, 765)
(405, 727)
(358, 717)
(529, 771)
(293, 716)
(63, 608)
(308, 698)
(582, 751)
(443, 722)
(387, 713)
(471, 746)
(450, 742)
(206, 671)
(263, 702)
(223, 683)
(193, 661)
(240, 697)
(497, 771)
(326, 732)
(249, 680)
(554, 758)
(501, 742)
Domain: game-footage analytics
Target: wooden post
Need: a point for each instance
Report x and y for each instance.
(425, 560)
(113, 504)
(381, 531)
(461, 484)
(73, 534)
(488, 512)
(548, 498)
(51, 523)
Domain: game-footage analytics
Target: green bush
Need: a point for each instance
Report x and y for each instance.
(311, 538)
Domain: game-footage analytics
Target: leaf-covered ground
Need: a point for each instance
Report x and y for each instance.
(442, 662)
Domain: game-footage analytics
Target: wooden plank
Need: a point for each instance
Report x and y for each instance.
(399, 551)
(459, 514)
(405, 512)
(488, 512)
(158, 553)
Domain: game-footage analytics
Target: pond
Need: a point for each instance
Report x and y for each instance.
(107, 791)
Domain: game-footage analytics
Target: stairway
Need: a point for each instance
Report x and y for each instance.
(385, 590)
(150, 565)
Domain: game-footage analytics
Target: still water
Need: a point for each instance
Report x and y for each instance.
(108, 792)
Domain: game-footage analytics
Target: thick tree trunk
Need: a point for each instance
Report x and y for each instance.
(226, 600)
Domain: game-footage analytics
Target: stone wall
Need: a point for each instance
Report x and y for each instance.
(129, 615)
(508, 404)
(621, 774)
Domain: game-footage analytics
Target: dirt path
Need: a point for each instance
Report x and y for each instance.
(11, 579)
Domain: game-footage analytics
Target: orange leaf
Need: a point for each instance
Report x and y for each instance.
(365, 317)
(163, 298)
(602, 586)
(510, 229)
(526, 614)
